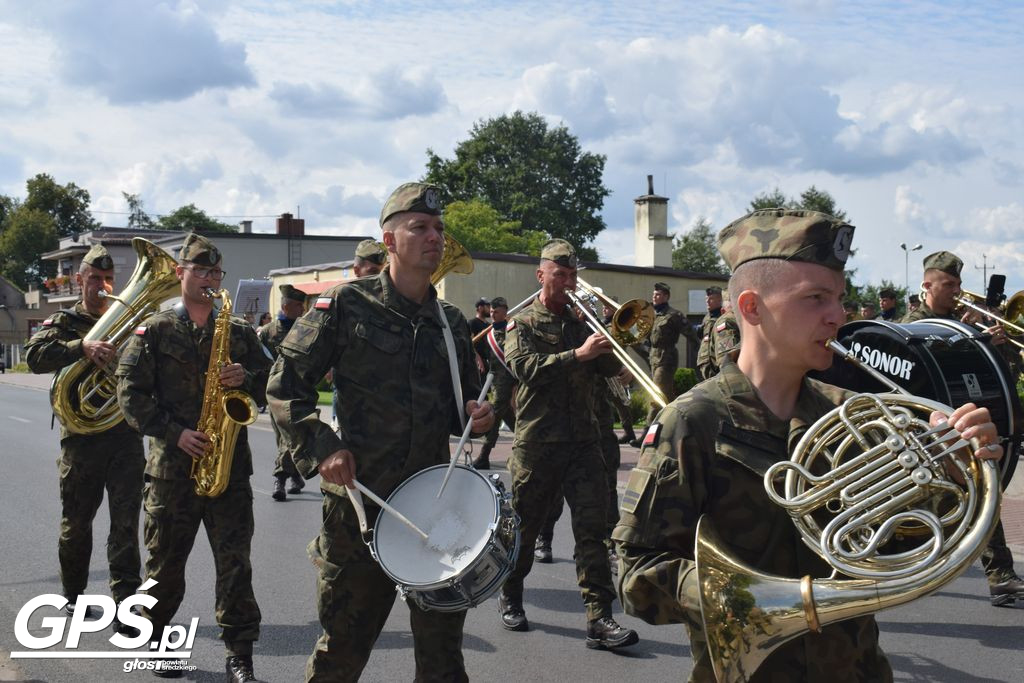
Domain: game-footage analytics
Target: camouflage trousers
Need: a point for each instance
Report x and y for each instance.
(538, 470)
(87, 466)
(354, 599)
(996, 558)
(504, 390)
(664, 376)
(173, 515)
(284, 466)
(612, 460)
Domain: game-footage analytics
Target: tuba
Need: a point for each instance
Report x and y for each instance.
(225, 411)
(872, 489)
(83, 394)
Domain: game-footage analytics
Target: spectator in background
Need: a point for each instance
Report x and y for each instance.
(477, 325)
(868, 311)
(887, 302)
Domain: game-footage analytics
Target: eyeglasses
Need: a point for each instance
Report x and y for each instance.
(204, 273)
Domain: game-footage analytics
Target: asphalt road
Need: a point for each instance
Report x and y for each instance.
(954, 635)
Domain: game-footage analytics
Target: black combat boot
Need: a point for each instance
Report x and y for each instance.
(69, 609)
(239, 668)
(1006, 592)
(297, 484)
(513, 617)
(542, 550)
(279, 493)
(483, 461)
(628, 436)
(605, 633)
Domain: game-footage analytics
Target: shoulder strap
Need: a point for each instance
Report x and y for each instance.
(453, 364)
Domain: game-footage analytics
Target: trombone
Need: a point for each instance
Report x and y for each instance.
(631, 323)
(1012, 310)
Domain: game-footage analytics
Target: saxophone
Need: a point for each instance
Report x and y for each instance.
(225, 411)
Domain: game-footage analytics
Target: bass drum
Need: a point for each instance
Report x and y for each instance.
(944, 360)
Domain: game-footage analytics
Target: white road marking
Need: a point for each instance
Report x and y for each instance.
(19, 419)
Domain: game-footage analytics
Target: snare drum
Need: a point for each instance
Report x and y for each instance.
(472, 544)
(944, 360)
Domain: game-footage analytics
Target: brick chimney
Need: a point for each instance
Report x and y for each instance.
(651, 241)
(289, 226)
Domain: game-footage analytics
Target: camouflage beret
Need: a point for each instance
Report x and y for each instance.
(559, 251)
(945, 261)
(418, 197)
(370, 250)
(662, 287)
(199, 250)
(499, 302)
(98, 257)
(789, 234)
(713, 290)
(290, 292)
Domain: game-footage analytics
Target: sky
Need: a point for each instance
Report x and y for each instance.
(908, 113)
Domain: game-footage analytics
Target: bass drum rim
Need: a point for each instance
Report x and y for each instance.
(1008, 390)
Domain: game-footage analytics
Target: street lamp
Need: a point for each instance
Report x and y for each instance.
(906, 268)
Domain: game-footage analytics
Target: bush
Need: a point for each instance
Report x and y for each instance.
(685, 379)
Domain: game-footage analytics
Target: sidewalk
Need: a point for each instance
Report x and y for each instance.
(1013, 497)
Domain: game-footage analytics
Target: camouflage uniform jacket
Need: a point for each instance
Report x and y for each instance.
(162, 379)
(665, 331)
(706, 363)
(272, 334)
(396, 405)
(725, 336)
(58, 343)
(924, 312)
(712, 448)
(555, 398)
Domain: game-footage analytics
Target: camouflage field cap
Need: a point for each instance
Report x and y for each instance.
(369, 250)
(499, 302)
(418, 197)
(290, 292)
(945, 261)
(199, 250)
(713, 290)
(789, 234)
(98, 257)
(559, 251)
(662, 287)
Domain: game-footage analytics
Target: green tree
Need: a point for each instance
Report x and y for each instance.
(811, 199)
(67, 205)
(189, 217)
(28, 234)
(530, 173)
(138, 219)
(776, 199)
(7, 207)
(696, 250)
(478, 227)
(869, 294)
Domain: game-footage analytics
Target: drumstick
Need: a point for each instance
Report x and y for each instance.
(357, 502)
(465, 434)
(388, 509)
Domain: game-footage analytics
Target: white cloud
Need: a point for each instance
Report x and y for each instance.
(169, 178)
(133, 52)
(577, 96)
(388, 94)
(997, 223)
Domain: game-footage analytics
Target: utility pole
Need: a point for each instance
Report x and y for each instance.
(984, 272)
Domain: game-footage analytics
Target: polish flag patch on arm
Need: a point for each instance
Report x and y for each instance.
(140, 330)
(323, 303)
(651, 437)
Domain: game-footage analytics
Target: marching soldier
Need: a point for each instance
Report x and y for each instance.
(89, 463)
(369, 258)
(384, 337)
(161, 389)
(504, 385)
(620, 399)
(557, 443)
(725, 337)
(941, 287)
(668, 325)
(707, 365)
(293, 304)
(707, 454)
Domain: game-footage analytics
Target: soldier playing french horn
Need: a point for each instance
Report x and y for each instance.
(709, 450)
(162, 384)
(111, 459)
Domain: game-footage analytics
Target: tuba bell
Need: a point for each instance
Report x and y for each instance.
(84, 395)
(872, 489)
